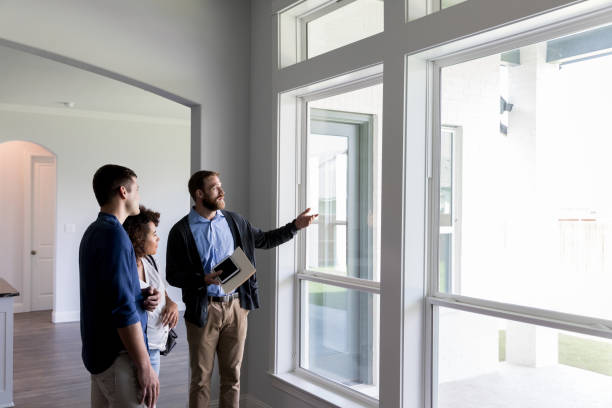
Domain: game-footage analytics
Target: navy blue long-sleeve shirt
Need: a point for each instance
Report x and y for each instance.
(110, 291)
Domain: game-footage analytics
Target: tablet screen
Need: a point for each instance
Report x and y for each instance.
(229, 269)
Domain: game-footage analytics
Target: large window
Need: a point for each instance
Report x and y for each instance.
(521, 224)
(339, 255)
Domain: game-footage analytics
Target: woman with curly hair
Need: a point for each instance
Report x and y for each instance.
(142, 231)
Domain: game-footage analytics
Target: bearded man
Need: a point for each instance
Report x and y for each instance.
(216, 321)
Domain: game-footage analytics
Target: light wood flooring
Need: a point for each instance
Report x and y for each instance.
(49, 372)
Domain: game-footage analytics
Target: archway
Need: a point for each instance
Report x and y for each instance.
(28, 248)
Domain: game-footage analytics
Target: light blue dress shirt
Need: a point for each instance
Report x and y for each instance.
(214, 241)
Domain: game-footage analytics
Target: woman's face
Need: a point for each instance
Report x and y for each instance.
(151, 240)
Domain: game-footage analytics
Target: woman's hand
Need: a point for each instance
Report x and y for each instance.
(170, 314)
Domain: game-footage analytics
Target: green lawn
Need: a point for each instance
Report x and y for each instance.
(326, 295)
(578, 352)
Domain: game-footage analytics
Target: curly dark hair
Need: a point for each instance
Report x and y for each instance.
(137, 228)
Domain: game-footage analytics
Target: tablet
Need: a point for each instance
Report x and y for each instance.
(229, 269)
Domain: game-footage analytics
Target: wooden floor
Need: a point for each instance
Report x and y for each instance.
(49, 372)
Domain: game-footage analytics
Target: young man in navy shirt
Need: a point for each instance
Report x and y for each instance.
(113, 317)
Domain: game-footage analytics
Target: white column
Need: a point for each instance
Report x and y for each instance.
(531, 346)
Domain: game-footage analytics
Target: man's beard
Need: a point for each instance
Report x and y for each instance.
(212, 205)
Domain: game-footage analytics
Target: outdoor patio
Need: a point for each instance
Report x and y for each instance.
(513, 386)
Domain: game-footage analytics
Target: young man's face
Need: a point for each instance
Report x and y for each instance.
(132, 201)
(214, 196)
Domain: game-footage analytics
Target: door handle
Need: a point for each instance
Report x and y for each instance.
(33, 252)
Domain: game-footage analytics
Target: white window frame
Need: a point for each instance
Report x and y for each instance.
(308, 275)
(405, 49)
(287, 373)
(432, 62)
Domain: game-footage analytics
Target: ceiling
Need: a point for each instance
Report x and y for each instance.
(33, 81)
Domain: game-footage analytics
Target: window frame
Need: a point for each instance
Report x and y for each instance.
(433, 62)
(303, 274)
(285, 372)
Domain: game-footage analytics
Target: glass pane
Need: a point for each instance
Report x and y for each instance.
(343, 183)
(356, 20)
(536, 216)
(314, 27)
(340, 335)
(327, 191)
(446, 179)
(489, 362)
(444, 265)
(449, 3)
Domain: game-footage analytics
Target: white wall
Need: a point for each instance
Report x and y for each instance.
(197, 50)
(157, 152)
(13, 164)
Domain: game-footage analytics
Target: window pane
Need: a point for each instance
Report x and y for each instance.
(449, 3)
(340, 336)
(446, 179)
(445, 267)
(489, 362)
(536, 215)
(314, 27)
(343, 183)
(356, 20)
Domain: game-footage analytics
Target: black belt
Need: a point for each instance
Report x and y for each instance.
(224, 299)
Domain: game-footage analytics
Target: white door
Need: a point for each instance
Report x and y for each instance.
(43, 232)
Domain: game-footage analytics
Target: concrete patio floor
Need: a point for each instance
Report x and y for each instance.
(513, 386)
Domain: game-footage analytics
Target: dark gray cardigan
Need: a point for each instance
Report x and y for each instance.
(184, 267)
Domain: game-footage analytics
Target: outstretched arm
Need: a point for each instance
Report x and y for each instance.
(304, 219)
(274, 238)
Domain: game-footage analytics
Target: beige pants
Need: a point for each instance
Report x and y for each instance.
(117, 386)
(224, 334)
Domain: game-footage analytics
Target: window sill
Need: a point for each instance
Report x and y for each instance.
(315, 394)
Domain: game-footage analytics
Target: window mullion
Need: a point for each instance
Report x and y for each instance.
(346, 282)
(540, 317)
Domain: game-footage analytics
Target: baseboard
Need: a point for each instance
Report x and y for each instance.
(246, 401)
(18, 308)
(64, 317)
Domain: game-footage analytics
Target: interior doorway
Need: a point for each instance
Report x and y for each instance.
(28, 182)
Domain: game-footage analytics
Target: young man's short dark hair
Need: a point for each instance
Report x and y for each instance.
(196, 182)
(108, 179)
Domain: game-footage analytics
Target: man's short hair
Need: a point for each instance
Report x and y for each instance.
(196, 182)
(108, 179)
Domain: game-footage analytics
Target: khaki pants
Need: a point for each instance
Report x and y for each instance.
(224, 333)
(117, 386)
